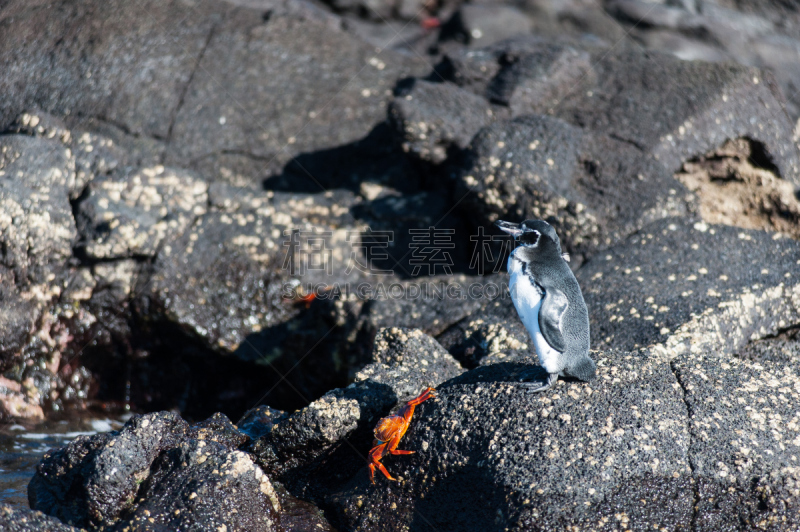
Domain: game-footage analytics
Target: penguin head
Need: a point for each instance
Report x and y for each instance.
(530, 232)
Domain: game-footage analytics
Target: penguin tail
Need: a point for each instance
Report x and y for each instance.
(584, 370)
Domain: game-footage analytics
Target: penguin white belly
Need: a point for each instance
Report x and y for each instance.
(528, 300)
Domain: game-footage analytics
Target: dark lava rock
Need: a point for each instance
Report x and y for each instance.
(23, 520)
(258, 135)
(677, 277)
(666, 108)
(90, 70)
(326, 423)
(493, 333)
(130, 214)
(94, 480)
(259, 421)
(435, 118)
(159, 473)
(114, 70)
(223, 279)
(203, 485)
(36, 232)
(504, 79)
(547, 460)
(430, 304)
(594, 188)
(745, 431)
(481, 25)
(37, 226)
(405, 361)
(674, 110)
(408, 361)
(93, 154)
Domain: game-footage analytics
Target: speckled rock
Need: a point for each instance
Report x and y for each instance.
(130, 214)
(493, 333)
(94, 480)
(93, 154)
(225, 278)
(218, 428)
(311, 433)
(23, 520)
(405, 361)
(433, 119)
(46, 292)
(36, 231)
(666, 108)
(159, 473)
(592, 187)
(204, 485)
(690, 283)
(745, 432)
(485, 439)
(37, 226)
(409, 361)
(781, 348)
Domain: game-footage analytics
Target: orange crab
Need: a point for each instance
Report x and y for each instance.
(390, 430)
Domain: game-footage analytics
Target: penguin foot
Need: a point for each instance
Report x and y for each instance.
(538, 386)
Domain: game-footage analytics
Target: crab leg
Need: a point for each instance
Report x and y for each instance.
(383, 470)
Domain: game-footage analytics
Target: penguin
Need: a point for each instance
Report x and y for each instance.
(549, 302)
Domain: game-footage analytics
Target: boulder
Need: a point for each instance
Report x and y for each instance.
(681, 277)
(433, 119)
(548, 460)
(223, 279)
(595, 189)
(204, 485)
(130, 214)
(24, 520)
(667, 108)
(134, 70)
(404, 362)
(159, 473)
(94, 480)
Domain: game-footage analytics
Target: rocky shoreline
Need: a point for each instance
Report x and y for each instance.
(165, 166)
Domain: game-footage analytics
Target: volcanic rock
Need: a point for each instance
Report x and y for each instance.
(405, 362)
(23, 520)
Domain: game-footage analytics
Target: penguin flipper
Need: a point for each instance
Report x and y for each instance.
(554, 305)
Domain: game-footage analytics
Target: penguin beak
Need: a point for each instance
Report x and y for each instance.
(512, 229)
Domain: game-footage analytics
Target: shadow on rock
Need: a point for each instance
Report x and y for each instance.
(373, 159)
